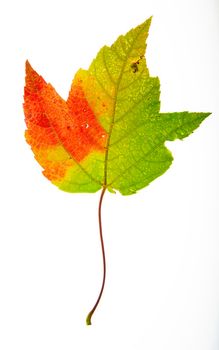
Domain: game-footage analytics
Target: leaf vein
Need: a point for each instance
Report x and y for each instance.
(133, 106)
(101, 85)
(106, 66)
(114, 49)
(140, 159)
(114, 106)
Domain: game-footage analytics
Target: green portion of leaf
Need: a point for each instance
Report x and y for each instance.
(152, 158)
(178, 125)
(85, 177)
(135, 150)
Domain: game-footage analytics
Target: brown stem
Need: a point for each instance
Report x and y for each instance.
(89, 316)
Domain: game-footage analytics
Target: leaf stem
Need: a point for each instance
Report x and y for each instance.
(90, 314)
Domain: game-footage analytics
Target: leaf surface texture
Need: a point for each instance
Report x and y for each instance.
(110, 132)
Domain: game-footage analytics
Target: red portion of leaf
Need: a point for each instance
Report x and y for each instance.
(52, 121)
(88, 129)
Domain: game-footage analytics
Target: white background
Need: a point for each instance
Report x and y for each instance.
(162, 290)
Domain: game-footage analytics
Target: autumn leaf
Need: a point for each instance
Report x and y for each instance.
(109, 133)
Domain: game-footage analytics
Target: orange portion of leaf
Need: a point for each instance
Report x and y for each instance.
(88, 132)
(61, 134)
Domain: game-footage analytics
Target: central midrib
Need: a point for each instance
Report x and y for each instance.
(114, 108)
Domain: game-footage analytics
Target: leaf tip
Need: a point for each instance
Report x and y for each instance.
(148, 21)
(207, 114)
(29, 71)
(28, 67)
(203, 115)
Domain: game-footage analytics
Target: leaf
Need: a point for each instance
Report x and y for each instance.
(109, 133)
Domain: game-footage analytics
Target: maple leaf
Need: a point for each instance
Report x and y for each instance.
(109, 133)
